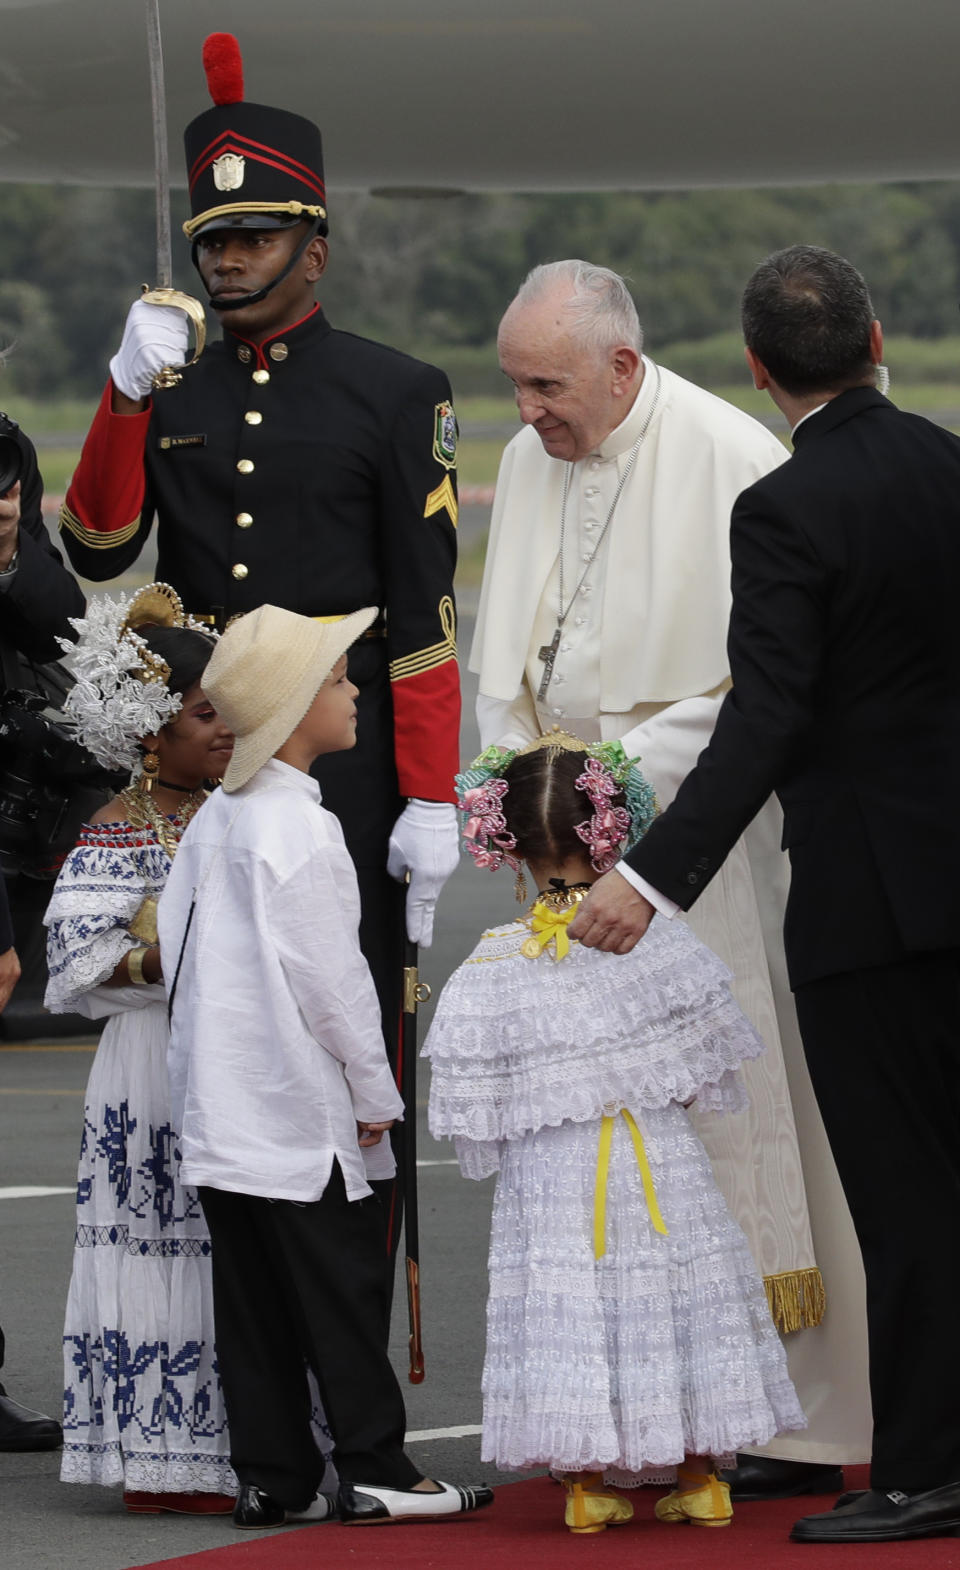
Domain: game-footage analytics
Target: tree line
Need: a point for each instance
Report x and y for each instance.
(434, 275)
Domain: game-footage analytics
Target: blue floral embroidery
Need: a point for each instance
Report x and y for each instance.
(112, 1146)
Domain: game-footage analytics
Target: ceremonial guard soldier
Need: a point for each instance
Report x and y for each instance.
(297, 465)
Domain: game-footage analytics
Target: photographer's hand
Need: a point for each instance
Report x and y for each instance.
(9, 525)
(9, 975)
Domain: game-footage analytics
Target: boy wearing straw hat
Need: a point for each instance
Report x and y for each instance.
(278, 1077)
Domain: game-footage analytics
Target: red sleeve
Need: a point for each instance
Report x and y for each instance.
(426, 726)
(100, 519)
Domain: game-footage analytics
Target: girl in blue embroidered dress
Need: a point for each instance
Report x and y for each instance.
(628, 1331)
(142, 1400)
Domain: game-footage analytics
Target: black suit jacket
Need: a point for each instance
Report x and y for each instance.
(34, 608)
(845, 656)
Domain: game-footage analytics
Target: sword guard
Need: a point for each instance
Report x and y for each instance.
(170, 375)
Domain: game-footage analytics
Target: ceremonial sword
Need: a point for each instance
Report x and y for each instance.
(414, 991)
(164, 292)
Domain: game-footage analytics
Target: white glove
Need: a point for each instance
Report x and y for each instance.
(426, 843)
(154, 336)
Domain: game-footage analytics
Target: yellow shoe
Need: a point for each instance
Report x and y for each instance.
(591, 1507)
(701, 1500)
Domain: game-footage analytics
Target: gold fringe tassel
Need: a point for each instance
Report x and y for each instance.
(796, 1298)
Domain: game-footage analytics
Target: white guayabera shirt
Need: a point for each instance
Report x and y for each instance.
(276, 1048)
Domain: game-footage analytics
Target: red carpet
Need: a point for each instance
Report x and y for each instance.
(524, 1531)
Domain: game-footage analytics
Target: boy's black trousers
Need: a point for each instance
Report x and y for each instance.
(297, 1284)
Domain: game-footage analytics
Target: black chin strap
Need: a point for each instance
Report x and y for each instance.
(237, 303)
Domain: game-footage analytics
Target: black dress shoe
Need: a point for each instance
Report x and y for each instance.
(876, 1517)
(850, 1497)
(255, 1509)
(21, 1429)
(763, 1477)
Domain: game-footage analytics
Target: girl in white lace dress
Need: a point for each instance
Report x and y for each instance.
(142, 1400)
(628, 1331)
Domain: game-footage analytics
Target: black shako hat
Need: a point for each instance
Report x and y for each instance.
(249, 166)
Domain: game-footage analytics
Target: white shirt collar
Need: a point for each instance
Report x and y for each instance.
(275, 772)
(808, 416)
(623, 436)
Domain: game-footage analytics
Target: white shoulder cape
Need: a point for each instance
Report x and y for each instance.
(519, 1044)
(665, 624)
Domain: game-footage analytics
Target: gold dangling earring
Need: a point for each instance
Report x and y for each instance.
(520, 887)
(150, 771)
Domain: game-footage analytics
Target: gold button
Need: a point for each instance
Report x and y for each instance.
(244, 354)
(253, 417)
(240, 571)
(260, 377)
(245, 466)
(278, 351)
(244, 520)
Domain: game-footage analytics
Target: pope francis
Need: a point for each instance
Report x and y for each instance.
(604, 609)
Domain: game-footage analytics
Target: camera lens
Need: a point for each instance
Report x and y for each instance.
(11, 456)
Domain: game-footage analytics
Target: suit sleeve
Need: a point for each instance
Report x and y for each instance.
(419, 521)
(105, 520)
(35, 609)
(776, 646)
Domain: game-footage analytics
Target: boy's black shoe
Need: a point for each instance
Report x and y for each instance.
(362, 1504)
(254, 1509)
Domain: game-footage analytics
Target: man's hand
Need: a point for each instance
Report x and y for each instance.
(371, 1133)
(425, 843)
(154, 336)
(9, 976)
(9, 525)
(613, 916)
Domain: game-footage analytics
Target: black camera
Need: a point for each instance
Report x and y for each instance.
(47, 782)
(11, 454)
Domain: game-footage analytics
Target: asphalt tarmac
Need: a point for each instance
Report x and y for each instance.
(46, 1525)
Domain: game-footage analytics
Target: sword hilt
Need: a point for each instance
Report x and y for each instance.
(170, 375)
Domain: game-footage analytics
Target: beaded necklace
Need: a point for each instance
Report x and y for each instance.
(142, 813)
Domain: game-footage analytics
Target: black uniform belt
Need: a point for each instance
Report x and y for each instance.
(215, 618)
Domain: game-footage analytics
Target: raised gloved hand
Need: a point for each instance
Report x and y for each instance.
(154, 336)
(425, 843)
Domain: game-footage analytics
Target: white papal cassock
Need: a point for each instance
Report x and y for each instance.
(642, 656)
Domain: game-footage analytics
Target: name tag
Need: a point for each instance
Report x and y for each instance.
(197, 440)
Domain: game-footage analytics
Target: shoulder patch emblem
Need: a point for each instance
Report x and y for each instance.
(445, 433)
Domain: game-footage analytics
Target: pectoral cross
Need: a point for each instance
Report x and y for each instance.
(548, 654)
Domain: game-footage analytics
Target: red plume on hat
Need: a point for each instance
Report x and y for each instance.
(223, 64)
(249, 165)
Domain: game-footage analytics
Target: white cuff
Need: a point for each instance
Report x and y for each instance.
(660, 902)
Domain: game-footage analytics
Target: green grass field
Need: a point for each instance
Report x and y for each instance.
(479, 455)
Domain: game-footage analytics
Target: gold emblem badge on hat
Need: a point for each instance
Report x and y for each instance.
(228, 171)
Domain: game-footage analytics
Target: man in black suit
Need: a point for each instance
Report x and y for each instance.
(845, 655)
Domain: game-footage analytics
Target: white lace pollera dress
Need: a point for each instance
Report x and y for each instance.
(663, 1346)
(142, 1398)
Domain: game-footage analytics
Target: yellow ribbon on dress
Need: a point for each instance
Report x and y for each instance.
(546, 924)
(603, 1171)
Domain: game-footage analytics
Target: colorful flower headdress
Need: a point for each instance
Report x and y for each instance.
(120, 691)
(608, 833)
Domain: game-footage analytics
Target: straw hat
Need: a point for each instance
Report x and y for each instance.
(264, 674)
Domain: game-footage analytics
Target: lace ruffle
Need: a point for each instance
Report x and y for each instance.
(662, 1347)
(110, 872)
(518, 1044)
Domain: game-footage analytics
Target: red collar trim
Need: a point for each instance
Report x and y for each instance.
(281, 332)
